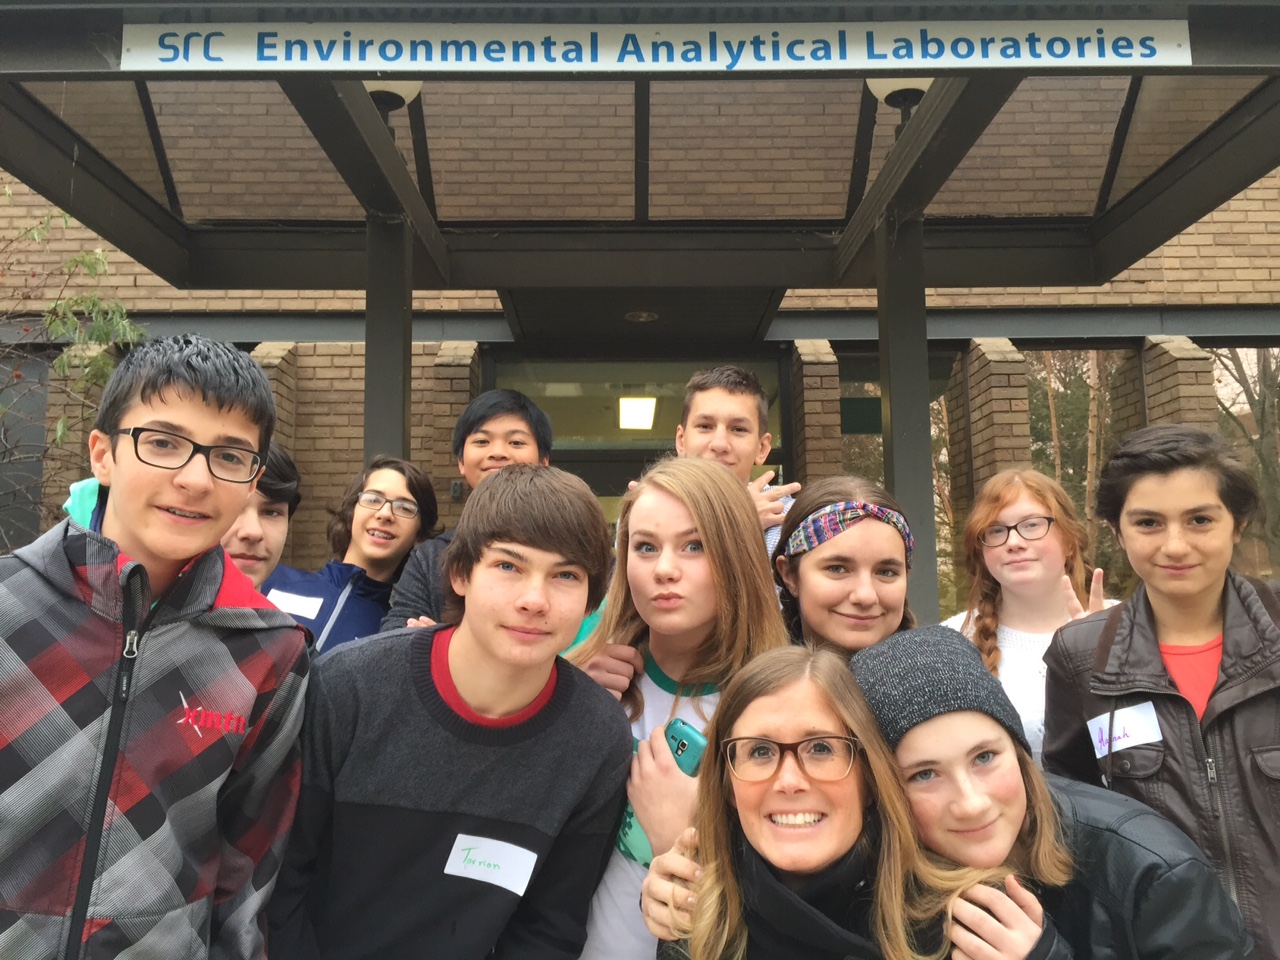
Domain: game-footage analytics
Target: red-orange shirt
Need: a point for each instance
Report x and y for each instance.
(449, 693)
(1194, 670)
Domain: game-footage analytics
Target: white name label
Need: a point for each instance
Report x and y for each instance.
(1115, 45)
(295, 605)
(491, 861)
(1130, 727)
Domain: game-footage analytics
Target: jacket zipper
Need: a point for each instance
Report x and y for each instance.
(333, 617)
(110, 753)
(1211, 772)
(1219, 814)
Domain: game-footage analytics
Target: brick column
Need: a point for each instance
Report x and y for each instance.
(1170, 380)
(456, 384)
(990, 426)
(815, 433)
(280, 361)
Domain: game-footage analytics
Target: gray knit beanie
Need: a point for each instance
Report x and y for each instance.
(916, 675)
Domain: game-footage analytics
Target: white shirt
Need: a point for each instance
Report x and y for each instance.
(615, 928)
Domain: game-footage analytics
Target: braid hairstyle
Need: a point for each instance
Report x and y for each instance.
(984, 594)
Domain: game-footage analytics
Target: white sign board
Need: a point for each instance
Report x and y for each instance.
(1117, 46)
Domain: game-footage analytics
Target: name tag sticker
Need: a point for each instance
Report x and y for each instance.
(295, 605)
(491, 861)
(1130, 727)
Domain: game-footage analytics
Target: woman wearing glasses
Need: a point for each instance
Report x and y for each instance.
(1024, 549)
(805, 838)
(386, 510)
(819, 843)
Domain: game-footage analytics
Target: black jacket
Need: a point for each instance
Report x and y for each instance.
(1218, 778)
(420, 590)
(1140, 888)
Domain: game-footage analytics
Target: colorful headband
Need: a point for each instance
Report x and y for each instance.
(821, 525)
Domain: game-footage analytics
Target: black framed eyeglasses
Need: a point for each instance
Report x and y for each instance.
(171, 451)
(1031, 528)
(372, 500)
(821, 758)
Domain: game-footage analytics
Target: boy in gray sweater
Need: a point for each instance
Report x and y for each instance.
(462, 785)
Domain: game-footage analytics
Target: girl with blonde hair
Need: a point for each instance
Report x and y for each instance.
(691, 592)
(1024, 550)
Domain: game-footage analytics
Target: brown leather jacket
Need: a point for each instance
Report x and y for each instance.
(1218, 778)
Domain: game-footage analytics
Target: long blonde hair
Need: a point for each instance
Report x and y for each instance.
(984, 593)
(747, 619)
(719, 926)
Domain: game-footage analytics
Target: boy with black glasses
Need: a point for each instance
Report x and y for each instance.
(461, 784)
(150, 698)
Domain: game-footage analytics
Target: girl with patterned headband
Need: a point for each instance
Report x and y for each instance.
(841, 562)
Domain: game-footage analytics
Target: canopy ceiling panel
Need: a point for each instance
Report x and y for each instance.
(1170, 112)
(752, 149)
(239, 151)
(1044, 155)
(109, 115)
(531, 150)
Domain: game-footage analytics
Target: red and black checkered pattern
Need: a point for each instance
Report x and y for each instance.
(202, 786)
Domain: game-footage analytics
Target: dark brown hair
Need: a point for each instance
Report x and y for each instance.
(815, 496)
(419, 489)
(1167, 447)
(534, 506)
(731, 380)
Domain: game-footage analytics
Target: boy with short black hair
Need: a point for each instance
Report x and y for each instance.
(150, 698)
(462, 785)
(499, 428)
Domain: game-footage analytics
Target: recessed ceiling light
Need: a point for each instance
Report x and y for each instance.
(636, 413)
(640, 316)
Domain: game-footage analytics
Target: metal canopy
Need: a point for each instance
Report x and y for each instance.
(616, 192)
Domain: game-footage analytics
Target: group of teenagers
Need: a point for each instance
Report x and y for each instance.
(472, 745)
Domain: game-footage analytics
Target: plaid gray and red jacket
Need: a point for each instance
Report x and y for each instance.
(149, 763)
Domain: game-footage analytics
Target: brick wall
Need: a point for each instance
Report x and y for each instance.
(990, 424)
(1169, 381)
(815, 386)
(457, 383)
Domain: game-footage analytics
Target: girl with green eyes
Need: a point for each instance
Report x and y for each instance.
(691, 592)
(1173, 696)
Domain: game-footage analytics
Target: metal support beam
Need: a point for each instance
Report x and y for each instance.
(388, 337)
(42, 152)
(904, 398)
(949, 120)
(346, 124)
(1236, 152)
